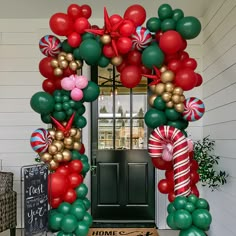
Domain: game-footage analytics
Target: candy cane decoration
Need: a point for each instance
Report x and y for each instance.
(169, 134)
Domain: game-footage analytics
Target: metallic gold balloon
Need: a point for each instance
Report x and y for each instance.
(53, 165)
(163, 69)
(159, 89)
(59, 145)
(46, 157)
(182, 98)
(68, 141)
(116, 61)
(169, 87)
(63, 64)
(66, 155)
(58, 71)
(167, 76)
(79, 64)
(52, 132)
(58, 157)
(62, 54)
(166, 96)
(175, 98)
(59, 135)
(151, 99)
(170, 104)
(179, 107)
(54, 63)
(61, 58)
(152, 88)
(73, 65)
(78, 135)
(73, 132)
(178, 90)
(77, 146)
(105, 39)
(69, 57)
(52, 149)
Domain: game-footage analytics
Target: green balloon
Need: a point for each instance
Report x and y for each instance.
(57, 98)
(152, 56)
(168, 24)
(78, 202)
(159, 103)
(87, 36)
(189, 207)
(177, 14)
(81, 191)
(84, 158)
(171, 208)
(179, 124)
(78, 210)
(66, 47)
(46, 118)
(183, 219)
(172, 114)
(202, 204)
(80, 122)
(87, 203)
(78, 104)
(165, 11)
(88, 219)
(91, 92)
(76, 54)
(64, 208)
(66, 105)
(90, 51)
(86, 167)
(180, 202)
(202, 218)
(69, 223)
(103, 61)
(58, 106)
(189, 27)
(81, 110)
(82, 229)
(75, 155)
(154, 118)
(42, 103)
(54, 221)
(170, 221)
(59, 115)
(153, 24)
(192, 231)
(69, 112)
(65, 97)
(61, 233)
(192, 198)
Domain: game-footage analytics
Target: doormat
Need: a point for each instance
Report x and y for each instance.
(123, 231)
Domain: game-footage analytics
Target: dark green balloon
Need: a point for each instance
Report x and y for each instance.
(88, 219)
(69, 223)
(171, 208)
(87, 203)
(103, 61)
(87, 36)
(91, 92)
(78, 210)
(202, 204)
(42, 103)
(152, 56)
(58, 106)
(84, 158)
(172, 114)
(153, 24)
(57, 98)
(66, 105)
(80, 122)
(179, 124)
(170, 221)
(46, 119)
(86, 167)
(61, 233)
(189, 207)
(64, 208)
(192, 231)
(154, 118)
(168, 24)
(54, 221)
(65, 97)
(81, 191)
(82, 229)
(159, 103)
(75, 155)
(189, 27)
(58, 93)
(76, 54)
(201, 218)
(59, 115)
(66, 47)
(90, 51)
(177, 14)
(165, 11)
(180, 202)
(81, 110)
(183, 219)
(78, 202)
(69, 112)
(78, 105)
(192, 198)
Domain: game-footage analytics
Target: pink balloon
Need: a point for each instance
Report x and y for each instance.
(167, 153)
(81, 82)
(76, 94)
(190, 144)
(67, 83)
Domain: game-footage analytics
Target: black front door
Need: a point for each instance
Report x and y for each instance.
(123, 180)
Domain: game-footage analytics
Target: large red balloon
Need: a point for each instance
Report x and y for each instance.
(75, 179)
(127, 28)
(136, 13)
(63, 169)
(49, 86)
(75, 166)
(124, 45)
(130, 76)
(174, 65)
(114, 19)
(189, 63)
(81, 24)
(186, 79)
(74, 11)
(134, 57)
(74, 39)
(165, 186)
(86, 11)
(61, 24)
(70, 195)
(45, 68)
(161, 164)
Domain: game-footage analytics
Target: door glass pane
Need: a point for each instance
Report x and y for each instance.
(122, 134)
(105, 134)
(139, 134)
(122, 102)
(139, 104)
(105, 103)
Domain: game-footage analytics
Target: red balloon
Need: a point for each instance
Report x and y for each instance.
(124, 44)
(45, 68)
(134, 57)
(122, 65)
(57, 185)
(183, 44)
(161, 164)
(86, 11)
(169, 174)
(63, 169)
(75, 179)
(61, 24)
(183, 55)
(199, 80)
(75, 166)
(49, 86)
(94, 27)
(74, 39)
(158, 35)
(174, 65)
(194, 165)
(194, 190)
(108, 51)
(194, 177)
(130, 76)
(70, 196)
(55, 202)
(165, 186)
(67, 72)
(189, 63)
(81, 24)
(170, 57)
(74, 11)
(57, 83)
(170, 42)
(82, 149)
(127, 28)
(114, 19)
(145, 70)
(171, 196)
(136, 13)
(186, 79)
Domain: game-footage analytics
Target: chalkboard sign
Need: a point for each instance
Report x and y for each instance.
(35, 200)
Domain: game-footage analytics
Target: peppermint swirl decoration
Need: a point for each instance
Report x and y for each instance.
(50, 45)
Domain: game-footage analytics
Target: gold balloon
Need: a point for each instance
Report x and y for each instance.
(178, 90)
(79, 64)
(59, 135)
(52, 132)
(163, 69)
(179, 107)
(69, 57)
(62, 54)
(61, 57)
(58, 71)
(105, 39)
(52, 149)
(116, 61)
(167, 76)
(182, 98)
(77, 146)
(169, 87)
(169, 104)
(166, 96)
(66, 155)
(152, 88)
(78, 135)
(73, 65)
(46, 157)
(63, 64)
(59, 145)
(54, 63)
(68, 141)
(175, 98)
(151, 99)
(159, 89)
(58, 157)
(73, 132)
(53, 165)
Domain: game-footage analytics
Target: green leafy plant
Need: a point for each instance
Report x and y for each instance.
(207, 162)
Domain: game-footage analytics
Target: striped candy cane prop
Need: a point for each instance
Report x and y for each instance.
(164, 135)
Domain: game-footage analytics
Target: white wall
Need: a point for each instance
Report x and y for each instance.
(219, 93)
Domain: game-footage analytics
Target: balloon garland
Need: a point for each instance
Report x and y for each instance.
(155, 51)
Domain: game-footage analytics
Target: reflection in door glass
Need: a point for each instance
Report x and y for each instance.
(122, 134)
(105, 134)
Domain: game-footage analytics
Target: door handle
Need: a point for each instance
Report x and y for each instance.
(94, 166)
